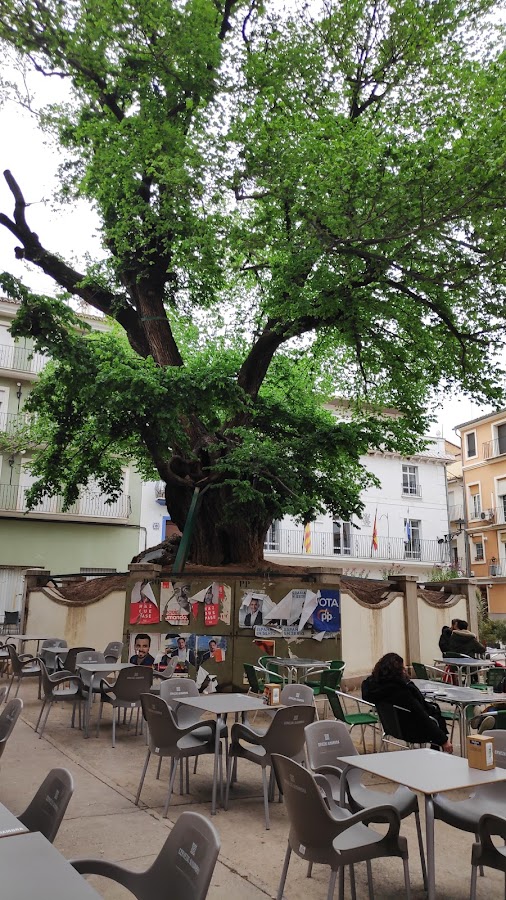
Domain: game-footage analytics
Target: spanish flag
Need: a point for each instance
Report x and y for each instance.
(374, 545)
(307, 537)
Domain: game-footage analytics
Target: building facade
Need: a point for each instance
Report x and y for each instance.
(91, 536)
(404, 528)
(484, 482)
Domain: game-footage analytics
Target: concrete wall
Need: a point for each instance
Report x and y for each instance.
(93, 625)
(369, 632)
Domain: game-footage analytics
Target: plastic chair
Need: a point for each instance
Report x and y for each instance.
(167, 738)
(8, 719)
(24, 666)
(284, 735)
(331, 835)
(125, 694)
(91, 681)
(52, 685)
(50, 658)
(165, 674)
(68, 662)
(486, 798)
(325, 743)
(113, 651)
(256, 679)
(184, 866)
(46, 810)
(362, 719)
(11, 622)
(485, 853)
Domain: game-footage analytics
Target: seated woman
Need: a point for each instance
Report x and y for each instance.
(390, 683)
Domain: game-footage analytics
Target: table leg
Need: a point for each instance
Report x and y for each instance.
(215, 771)
(463, 730)
(429, 841)
(87, 711)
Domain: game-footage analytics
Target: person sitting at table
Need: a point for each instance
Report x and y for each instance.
(444, 638)
(142, 656)
(464, 641)
(390, 683)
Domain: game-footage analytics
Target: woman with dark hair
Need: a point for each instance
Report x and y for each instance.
(390, 683)
(444, 639)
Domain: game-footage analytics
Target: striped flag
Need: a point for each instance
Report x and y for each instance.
(307, 537)
(374, 545)
(407, 531)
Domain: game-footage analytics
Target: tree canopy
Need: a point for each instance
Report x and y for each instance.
(295, 204)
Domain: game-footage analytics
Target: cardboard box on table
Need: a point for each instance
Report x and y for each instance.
(272, 694)
(480, 751)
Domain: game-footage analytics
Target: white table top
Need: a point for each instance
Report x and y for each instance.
(29, 637)
(224, 703)
(466, 662)
(452, 693)
(427, 771)
(299, 663)
(32, 867)
(104, 667)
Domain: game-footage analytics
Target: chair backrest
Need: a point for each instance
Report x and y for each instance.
(11, 621)
(252, 673)
(47, 684)
(338, 664)
(173, 689)
(69, 663)
(16, 662)
(335, 705)
(8, 719)
(311, 824)
(163, 731)
(132, 682)
(53, 642)
(326, 741)
(495, 675)
(420, 670)
(113, 651)
(296, 695)
(330, 679)
(89, 656)
(389, 717)
(499, 735)
(46, 810)
(285, 734)
(183, 868)
(3, 693)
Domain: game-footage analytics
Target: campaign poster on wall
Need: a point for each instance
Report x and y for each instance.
(254, 607)
(327, 615)
(143, 605)
(175, 602)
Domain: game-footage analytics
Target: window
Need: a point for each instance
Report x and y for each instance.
(342, 537)
(479, 551)
(501, 438)
(410, 483)
(412, 543)
(471, 444)
(272, 537)
(475, 501)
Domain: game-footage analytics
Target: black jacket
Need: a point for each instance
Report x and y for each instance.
(419, 726)
(465, 642)
(444, 640)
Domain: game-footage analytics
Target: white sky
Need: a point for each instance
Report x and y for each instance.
(71, 230)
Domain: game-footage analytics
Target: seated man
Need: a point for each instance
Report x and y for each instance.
(390, 683)
(142, 656)
(464, 641)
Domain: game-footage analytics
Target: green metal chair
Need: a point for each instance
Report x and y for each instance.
(362, 719)
(273, 676)
(256, 679)
(428, 673)
(492, 678)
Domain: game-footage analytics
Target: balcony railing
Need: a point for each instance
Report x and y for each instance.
(21, 359)
(89, 505)
(455, 513)
(493, 448)
(496, 569)
(411, 490)
(494, 516)
(323, 543)
(12, 422)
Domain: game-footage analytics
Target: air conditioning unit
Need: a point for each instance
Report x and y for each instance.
(488, 515)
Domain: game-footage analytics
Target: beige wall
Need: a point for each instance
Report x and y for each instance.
(431, 622)
(94, 625)
(367, 633)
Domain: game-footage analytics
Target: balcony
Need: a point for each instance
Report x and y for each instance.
(89, 505)
(455, 513)
(10, 423)
(21, 359)
(493, 448)
(411, 490)
(287, 542)
(496, 569)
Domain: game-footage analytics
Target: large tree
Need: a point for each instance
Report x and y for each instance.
(294, 204)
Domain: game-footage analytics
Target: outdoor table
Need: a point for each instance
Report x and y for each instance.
(294, 663)
(429, 772)
(9, 824)
(98, 669)
(461, 697)
(24, 638)
(467, 663)
(221, 705)
(32, 867)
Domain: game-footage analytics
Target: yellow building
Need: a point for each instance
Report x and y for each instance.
(484, 474)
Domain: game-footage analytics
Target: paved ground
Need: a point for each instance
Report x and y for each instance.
(102, 819)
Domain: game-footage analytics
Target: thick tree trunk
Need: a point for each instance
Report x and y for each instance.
(216, 540)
